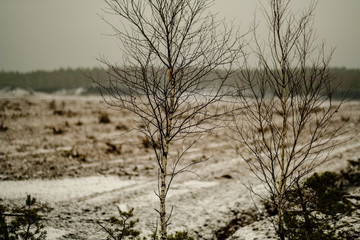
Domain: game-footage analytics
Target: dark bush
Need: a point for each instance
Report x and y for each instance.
(59, 112)
(146, 142)
(3, 128)
(121, 127)
(112, 148)
(104, 118)
(57, 130)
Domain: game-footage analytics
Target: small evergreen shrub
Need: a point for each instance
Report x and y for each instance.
(25, 222)
(315, 208)
(124, 228)
(180, 236)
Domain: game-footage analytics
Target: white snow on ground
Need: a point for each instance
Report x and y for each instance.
(76, 194)
(63, 189)
(257, 230)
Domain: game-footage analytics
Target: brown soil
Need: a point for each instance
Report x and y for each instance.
(50, 138)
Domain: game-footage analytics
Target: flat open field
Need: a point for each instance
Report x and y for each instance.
(81, 160)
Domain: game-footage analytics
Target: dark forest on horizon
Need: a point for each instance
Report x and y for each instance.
(69, 79)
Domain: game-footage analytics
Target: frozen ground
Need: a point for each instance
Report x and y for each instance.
(55, 148)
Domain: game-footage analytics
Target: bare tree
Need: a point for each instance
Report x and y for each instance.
(285, 131)
(177, 58)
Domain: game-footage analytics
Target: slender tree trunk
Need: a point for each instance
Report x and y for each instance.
(163, 195)
(281, 61)
(282, 180)
(163, 220)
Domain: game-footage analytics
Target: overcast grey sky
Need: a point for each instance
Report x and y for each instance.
(50, 34)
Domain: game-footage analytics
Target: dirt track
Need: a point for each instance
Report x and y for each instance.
(63, 151)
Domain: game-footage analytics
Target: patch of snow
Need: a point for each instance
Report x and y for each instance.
(62, 189)
(16, 92)
(54, 233)
(257, 230)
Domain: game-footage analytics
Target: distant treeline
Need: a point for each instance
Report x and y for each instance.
(348, 81)
(67, 79)
(52, 81)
